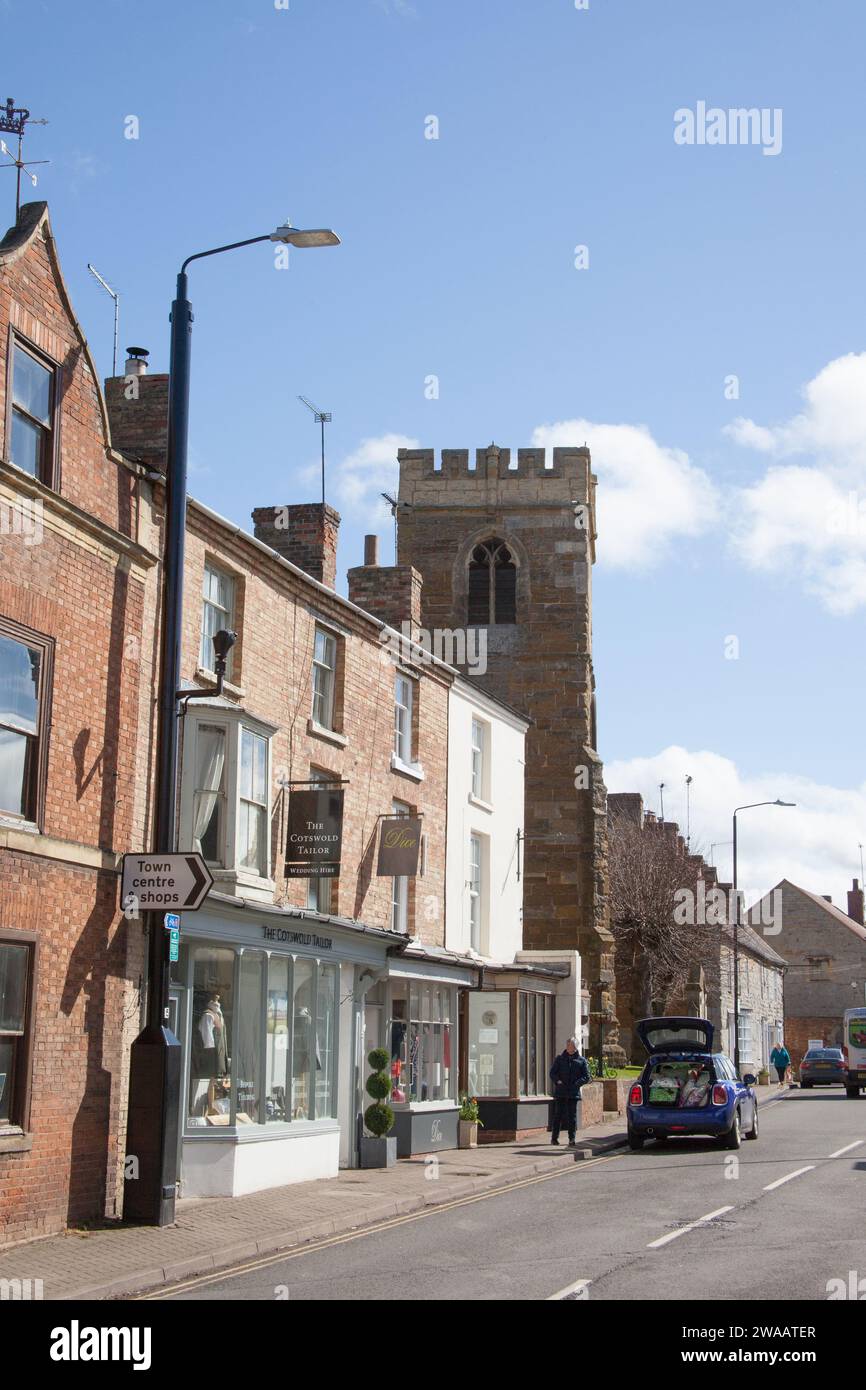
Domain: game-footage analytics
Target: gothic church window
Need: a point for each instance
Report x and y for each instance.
(492, 585)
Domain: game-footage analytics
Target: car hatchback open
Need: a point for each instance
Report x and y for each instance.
(688, 1089)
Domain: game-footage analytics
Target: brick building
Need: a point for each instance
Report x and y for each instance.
(506, 556)
(825, 949)
(75, 674)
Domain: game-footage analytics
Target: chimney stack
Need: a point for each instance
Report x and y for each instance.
(137, 406)
(392, 593)
(855, 903)
(304, 534)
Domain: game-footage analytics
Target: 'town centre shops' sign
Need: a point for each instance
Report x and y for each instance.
(170, 882)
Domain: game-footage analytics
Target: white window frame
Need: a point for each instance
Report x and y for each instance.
(404, 701)
(322, 695)
(233, 722)
(206, 659)
(475, 890)
(479, 760)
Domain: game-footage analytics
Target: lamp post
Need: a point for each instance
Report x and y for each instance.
(154, 1077)
(750, 807)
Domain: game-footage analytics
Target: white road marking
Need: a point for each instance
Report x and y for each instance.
(693, 1225)
(847, 1149)
(779, 1181)
(577, 1287)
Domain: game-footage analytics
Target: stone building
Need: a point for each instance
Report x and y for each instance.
(825, 949)
(76, 644)
(506, 554)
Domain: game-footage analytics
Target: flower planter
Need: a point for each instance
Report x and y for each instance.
(467, 1134)
(378, 1153)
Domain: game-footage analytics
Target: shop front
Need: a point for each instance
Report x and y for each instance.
(509, 1045)
(264, 1003)
(414, 1015)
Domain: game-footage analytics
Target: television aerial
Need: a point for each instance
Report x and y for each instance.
(323, 418)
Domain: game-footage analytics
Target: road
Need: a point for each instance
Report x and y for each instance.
(777, 1220)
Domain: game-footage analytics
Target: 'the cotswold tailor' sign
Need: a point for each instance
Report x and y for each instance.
(399, 842)
(315, 833)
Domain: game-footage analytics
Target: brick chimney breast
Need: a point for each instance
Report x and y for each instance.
(304, 534)
(137, 406)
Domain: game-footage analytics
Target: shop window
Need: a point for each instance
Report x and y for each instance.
(226, 794)
(263, 1038)
(213, 987)
(217, 613)
(25, 682)
(489, 1043)
(492, 585)
(16, 988)
(31, 429)
(535, 1043)
(324, 678)
(422, 1042)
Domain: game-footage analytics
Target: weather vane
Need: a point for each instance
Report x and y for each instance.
(13, 119)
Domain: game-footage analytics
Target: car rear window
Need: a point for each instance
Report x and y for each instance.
(825, 1054)
(682, 1085)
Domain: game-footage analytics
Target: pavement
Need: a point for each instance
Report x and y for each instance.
(119, 1259)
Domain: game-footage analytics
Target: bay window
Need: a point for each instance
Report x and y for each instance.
(226, 794)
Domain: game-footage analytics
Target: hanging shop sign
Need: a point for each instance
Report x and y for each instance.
(315, 833)
(399, 845)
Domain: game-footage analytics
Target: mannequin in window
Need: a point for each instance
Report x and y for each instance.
(210, 1059)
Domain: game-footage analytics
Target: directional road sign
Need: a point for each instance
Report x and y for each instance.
(171, 882)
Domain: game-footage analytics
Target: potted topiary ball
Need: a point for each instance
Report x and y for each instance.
(378, 1148)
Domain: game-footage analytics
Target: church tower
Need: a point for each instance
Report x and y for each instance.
(506, 556)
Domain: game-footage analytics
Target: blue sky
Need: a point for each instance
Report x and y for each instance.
(556, 130)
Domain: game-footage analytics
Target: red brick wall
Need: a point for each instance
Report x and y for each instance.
(85, 589)
(273, 669)
(799, 1030)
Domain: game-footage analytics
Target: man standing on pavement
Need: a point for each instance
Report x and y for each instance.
(780, 1058)
(568, 1073)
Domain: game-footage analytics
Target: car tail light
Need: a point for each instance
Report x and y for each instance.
(635, 1095)
(845, 1055)
(720, 1095)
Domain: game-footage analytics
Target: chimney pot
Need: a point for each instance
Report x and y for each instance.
(136, 361)
(371, 550)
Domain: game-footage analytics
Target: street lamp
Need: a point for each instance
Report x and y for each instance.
(154, 1077)
(750, 807)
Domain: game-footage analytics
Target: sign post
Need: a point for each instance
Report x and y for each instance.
(166, 882)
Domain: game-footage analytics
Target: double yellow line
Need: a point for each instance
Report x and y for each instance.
(233, 1271)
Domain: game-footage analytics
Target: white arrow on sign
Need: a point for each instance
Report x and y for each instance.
(168, 882)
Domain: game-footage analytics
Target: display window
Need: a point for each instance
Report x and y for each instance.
(262, 1037)
(422, 1042)
(490, 1043)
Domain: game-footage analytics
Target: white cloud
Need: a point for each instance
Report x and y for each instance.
(649, 495)
(809, 518)
(356, 481)
(814, 844)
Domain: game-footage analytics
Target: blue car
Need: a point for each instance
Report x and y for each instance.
(686, 1088)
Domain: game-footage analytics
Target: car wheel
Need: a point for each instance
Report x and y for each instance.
(753, 1132)
(635, 1141)
(852, 1092)
(734, 1136)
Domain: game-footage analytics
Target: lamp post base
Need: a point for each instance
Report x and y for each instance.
(150, 1167)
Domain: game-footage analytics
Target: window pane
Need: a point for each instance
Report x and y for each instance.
(531, 1045)
(489, 1043)
(13, 987)
(506, 594)
(521, 1045)
(209, 793)
(7, 1070)
(211, 1046)
(252, 828)
(31, 386)
(254, 762)
(397, 1038)
(277, 1084)
(19, 685)
(248, 1035)
(302, 1036)
(16, 754)
(479, 595)
(326, 1032)
(27, 444)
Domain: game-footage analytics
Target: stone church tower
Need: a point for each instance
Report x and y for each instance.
(510, 551)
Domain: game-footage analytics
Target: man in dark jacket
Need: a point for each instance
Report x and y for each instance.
(568, 1073)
